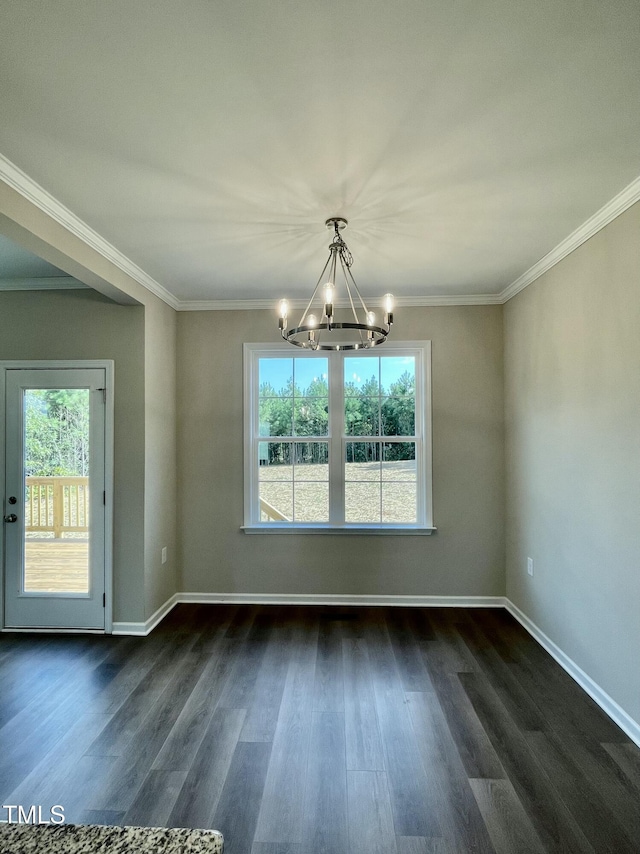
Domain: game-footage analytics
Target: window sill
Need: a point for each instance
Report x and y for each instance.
(375, 530)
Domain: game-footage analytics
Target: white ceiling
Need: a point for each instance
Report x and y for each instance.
(208, 141)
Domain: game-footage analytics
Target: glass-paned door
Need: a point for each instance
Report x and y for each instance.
(54, 498)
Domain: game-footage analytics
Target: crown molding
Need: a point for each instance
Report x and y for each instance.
(19, 181)
(401, 302)
(42, 283)
(618, 205)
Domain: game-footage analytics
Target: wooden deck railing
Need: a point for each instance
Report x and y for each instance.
(58, 504)
(269, 513)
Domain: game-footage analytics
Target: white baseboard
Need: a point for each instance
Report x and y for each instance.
(52, 630)
(608, 705)
(143, 629)
(343, 599)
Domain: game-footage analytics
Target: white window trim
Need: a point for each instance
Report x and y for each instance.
(251, 354)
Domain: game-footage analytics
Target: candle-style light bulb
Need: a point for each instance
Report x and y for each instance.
(371, 321)
(387, 302)
(312, 322)
(283, 309)
(328, 301)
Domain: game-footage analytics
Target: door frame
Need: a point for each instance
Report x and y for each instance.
(108, 366)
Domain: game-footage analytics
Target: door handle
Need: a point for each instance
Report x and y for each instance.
(11, 518)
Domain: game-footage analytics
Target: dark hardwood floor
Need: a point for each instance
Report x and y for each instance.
(320, 730)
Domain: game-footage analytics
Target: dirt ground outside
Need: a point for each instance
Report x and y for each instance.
(374, 492)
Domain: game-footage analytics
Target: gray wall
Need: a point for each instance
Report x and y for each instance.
(465, 557)
(572, 385)
(86, 325)
(160, 521)
(145, 406)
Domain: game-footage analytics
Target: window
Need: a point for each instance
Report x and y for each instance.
(339, 440)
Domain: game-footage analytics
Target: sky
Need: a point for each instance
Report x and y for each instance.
(357, 370)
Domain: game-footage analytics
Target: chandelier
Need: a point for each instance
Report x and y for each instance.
(323, 331)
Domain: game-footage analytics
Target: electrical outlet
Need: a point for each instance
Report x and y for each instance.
(530, 565)
(164, 554)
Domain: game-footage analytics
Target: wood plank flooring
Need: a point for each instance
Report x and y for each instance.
(320, 730)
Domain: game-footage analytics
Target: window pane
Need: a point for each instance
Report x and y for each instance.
(311, 416)
(362, 461)
(275, 377)
(361, 376)
(311, 461)
(311, 377)
(276, 416)
(398, 416)
(56, 511)
(382, 484)
(274, 459)
(362, 502)
(398, 376)
(399, 503)
(362, 416)
(276, 502)
(311, 502)
(399, 461)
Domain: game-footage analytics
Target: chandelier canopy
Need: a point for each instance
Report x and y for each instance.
(359, 330)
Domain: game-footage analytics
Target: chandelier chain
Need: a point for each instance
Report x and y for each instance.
(342, 249)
